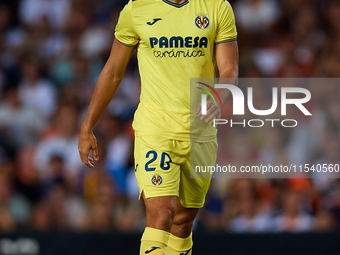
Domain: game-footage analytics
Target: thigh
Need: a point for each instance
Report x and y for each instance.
(157, 167)
(194, 187)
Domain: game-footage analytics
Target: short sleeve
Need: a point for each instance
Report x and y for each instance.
(226, 28)
(125, 31)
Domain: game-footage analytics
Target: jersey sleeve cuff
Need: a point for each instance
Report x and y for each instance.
(228, 40)
(126, 44)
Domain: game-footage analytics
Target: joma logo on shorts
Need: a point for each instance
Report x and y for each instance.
(179, 42)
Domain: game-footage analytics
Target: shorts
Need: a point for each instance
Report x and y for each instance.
(163, 168)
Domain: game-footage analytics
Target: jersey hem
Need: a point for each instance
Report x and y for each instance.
(229, 40)
(186, 138)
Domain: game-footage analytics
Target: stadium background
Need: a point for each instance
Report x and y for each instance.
(51, 54)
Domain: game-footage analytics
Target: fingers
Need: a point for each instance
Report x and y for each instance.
(210, 110)
(95, 152)
(210, 105)
(212, 116)
(84, 155)
(198, 109)
(90, 162)
(85, 145)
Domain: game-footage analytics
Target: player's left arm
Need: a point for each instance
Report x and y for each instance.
(227, 59)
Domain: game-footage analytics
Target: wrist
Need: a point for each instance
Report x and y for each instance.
(85, 128)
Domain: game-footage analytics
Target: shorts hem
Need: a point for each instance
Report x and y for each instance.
(159, 194)
(192, 206)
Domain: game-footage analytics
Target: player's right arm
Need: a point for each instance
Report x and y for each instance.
(108, 82)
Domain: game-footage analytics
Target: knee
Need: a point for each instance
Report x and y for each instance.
(182, 225)
(164, 215)
(182, 230)
(160, 212)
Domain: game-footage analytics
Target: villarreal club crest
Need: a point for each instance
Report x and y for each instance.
(157, 180)
(202, 22)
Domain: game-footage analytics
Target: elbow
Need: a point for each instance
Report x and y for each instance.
(115, 77)
(230, 73)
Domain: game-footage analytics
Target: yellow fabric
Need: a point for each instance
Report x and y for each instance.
(163, 168)
(154, 242)
(180, 246)
(172, 49)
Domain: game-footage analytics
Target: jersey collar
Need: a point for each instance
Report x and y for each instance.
(176, 5)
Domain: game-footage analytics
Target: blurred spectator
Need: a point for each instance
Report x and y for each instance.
(211, 216)
(101, 217)
(293, 218)
(36, 92)
(27, 180)
(250, 216)
(44, 42)
(118, 151)
(324, 222)
(20, 124)
(256, 15)
(62, 139)
(57, 11)
(131, 217)
(251, 219)
(56, 172)
(40, 217)
(66, 211)
(15, 209)
(330, 154)
(7, 223)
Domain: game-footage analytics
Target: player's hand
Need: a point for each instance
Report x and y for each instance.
(87, 142)
(213, 111)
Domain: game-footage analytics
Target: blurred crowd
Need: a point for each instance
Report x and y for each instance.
(51, 54)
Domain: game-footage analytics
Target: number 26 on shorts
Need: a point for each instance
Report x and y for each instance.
(164, 163)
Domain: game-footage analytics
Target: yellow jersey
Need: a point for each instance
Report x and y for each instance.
(175, 42)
